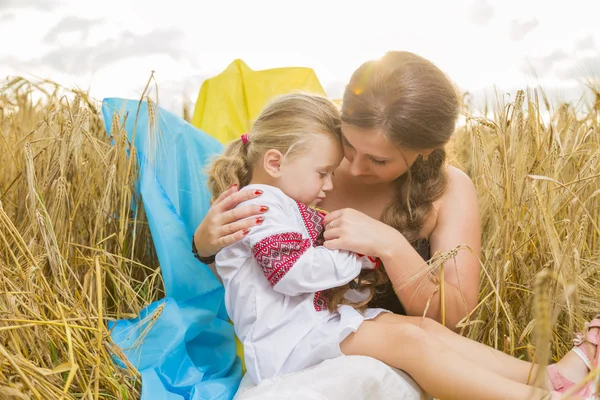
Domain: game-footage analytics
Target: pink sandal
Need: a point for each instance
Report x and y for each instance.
(562, 384)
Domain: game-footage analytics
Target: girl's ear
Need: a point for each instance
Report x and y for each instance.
(272, 162)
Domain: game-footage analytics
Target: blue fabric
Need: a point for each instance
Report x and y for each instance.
(188, 351)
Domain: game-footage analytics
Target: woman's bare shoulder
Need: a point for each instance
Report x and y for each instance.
(460, 199)
(459, 189)
(460, 185)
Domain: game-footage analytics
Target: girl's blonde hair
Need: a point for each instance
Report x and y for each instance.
(285, 124)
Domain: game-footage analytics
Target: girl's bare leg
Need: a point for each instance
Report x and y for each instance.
(439, 369)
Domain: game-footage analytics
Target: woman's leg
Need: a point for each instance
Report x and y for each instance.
(501, 363)
(488, 357)
(439, 369)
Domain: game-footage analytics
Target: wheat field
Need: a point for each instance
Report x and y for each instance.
(73, 255)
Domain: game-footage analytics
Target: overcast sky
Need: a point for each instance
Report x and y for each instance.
(111, 46)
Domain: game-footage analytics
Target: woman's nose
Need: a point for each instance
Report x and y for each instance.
(356, 168)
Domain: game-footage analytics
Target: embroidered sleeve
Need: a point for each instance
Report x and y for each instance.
(276, 254)
(291, 257)
(320, 269)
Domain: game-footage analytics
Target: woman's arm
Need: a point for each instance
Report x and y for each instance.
(457, 224)
(225, 224)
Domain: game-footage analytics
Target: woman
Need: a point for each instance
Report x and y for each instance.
(394, 197)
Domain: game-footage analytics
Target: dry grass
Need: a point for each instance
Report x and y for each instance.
(73, 255)
(539, 191)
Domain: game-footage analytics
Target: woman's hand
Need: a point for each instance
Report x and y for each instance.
(348, 229)
(224, 224)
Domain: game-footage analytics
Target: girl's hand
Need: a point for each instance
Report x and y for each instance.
(348, 229)
(224, 225)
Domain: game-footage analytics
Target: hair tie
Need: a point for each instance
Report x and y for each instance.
(245, 138)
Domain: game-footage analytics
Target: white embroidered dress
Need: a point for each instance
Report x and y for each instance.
(273, 280)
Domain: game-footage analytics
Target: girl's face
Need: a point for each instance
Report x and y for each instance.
(372, 158)
(307, 177)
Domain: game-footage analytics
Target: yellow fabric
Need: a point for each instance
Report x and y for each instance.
(228, 103)
(239, 350)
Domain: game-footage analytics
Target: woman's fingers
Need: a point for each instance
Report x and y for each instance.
(241, 213)
(338, 239)
(225, 194)
(231, 239)
(333, 244)
(332, 216)
(333, 233)
(225, 224)
(240, 225)
(336, 223)
(231, 201)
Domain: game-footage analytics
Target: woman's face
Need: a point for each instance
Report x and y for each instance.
(373, 158)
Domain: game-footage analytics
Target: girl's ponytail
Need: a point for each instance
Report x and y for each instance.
(232, 167)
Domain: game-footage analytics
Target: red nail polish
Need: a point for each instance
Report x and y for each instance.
(246, 231)
(258, 192)
(263, 209)
(260, 220)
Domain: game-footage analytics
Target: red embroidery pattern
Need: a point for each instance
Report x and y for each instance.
(376, 261)
(276, 254)
(320, 302)
(313, 220)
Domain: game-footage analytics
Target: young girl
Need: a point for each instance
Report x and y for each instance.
(295, 303)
